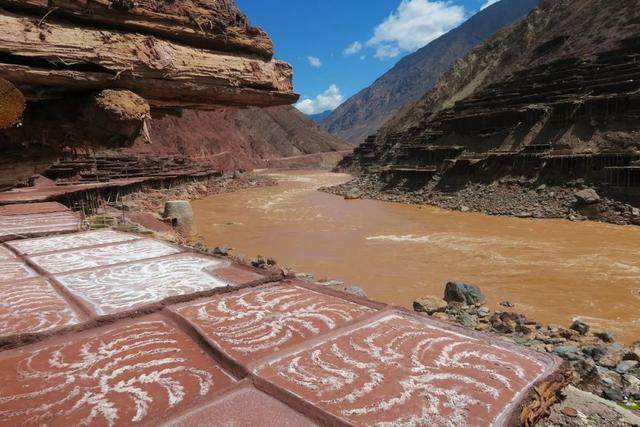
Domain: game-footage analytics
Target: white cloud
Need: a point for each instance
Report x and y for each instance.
(314, 62)
(414, 24)
(488, 3)
(330, 99)
(353, 48)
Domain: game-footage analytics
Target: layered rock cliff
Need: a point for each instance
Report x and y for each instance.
(94, 72)
(552, 100)
(365, 112)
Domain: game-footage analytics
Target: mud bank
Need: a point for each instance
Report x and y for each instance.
(500, 198)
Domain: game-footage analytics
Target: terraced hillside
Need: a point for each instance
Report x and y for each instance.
(554, 100)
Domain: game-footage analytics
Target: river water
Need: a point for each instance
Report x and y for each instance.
(552, 270)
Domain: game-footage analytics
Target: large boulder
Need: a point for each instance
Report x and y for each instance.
(587, 196)
(463, 293)
(180, 214)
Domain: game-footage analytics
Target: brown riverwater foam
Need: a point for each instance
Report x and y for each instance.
(553, 270)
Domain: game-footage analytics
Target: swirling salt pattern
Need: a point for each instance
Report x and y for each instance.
(60, 262)
(124, 287)
(255, 322)
(126, 376)
(38, 223)
(5, 254)
(33, 306)
(401, 372)
(70, 241)
(15, 270)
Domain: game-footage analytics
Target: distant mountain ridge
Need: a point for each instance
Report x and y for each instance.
(320, 117)
(364, 113)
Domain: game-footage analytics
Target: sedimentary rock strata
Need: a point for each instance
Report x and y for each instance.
(46, 59)
(215, 25)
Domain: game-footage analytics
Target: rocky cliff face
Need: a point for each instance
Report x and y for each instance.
(553, 100)
(364, 113)
(93, 72)
(234, 138)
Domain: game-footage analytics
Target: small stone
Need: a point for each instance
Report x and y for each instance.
(221, 250)
(353, 194)
(463, 293)
(580, 327)
(441, 316)
(568, 352)
(626, 365)
(484, 312)
(632, 386)
(604, 336)
(357, 291)
(466, 320)
(613, 394)
(465, 209)
(507, 304)
(611, 359)
(429, 304)
(594, 352)
(569, 411)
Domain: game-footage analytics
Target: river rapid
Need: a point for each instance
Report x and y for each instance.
(554, 271)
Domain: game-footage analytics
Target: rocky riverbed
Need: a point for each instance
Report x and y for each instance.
(512, 198)
(599, 365)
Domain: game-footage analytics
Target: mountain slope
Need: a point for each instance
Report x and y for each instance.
(234, 138)
(320, 117)
(525, 121)
(365, 112)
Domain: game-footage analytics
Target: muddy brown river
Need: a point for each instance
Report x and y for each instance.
(552, 270)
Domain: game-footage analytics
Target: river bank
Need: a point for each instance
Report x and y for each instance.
(500, 199)
(599, 365)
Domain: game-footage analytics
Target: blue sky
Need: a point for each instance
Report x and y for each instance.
(338, 47)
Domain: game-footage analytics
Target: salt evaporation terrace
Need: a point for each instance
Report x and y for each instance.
(111, 328)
